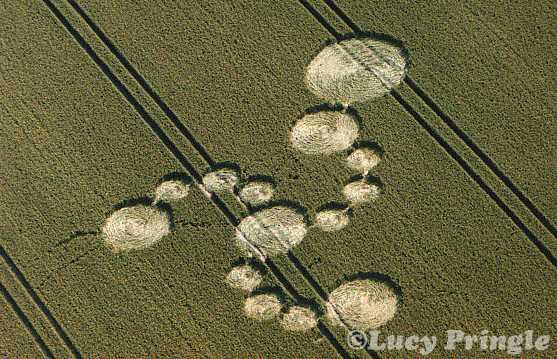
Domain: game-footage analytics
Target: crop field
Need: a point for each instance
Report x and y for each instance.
(508, 131)
(130, 130)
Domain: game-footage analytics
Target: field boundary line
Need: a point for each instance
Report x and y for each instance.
(484, 157)
(171, 115)
(152, 93)
(477, 179)
(12, 303)
(461, 134)
(449, 150)
(321, 19)
(39, 303)
(173, 149)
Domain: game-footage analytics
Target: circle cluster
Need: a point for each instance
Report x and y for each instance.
(267, 306)
(349, 71)
(346, 72)
(361, 304)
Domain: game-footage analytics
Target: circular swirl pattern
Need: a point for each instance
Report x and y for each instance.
(135, 227)
(324, 132)
(356, 70)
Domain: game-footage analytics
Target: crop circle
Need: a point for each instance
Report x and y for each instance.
(298, 319)
(221, 180)
(273, 230)
(359, 192)
(356, 70)
(363, 159)
(362, 304)
(257, 193)
(262, 307)
(332, 220)
(172, 190)
(324, 132)
(135, 227)
(244, 277)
